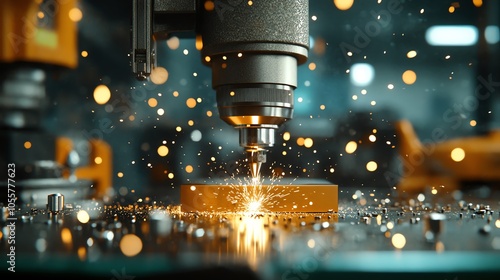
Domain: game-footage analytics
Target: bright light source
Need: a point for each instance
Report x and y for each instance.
(411, 54)
(196, 135)
(451, 35)
(75, 14)
(398, 241)
(308, 142)
(343, 4)
(286, 136)
(362, 74)
(254, 206)
(371, 166)
(492, 34)
(173, 43)
(162, 150)
(409, 77)
(102, 94)
(351, 147)
(130, 245)
(457, 154)
(159, 75)
(83, 217)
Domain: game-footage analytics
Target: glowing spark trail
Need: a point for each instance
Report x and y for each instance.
(254, 197)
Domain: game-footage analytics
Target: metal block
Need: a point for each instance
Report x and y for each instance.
(258, 199)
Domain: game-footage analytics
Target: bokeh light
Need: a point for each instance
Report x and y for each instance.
(102, 94)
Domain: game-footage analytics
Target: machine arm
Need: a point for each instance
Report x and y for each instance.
(253, 49)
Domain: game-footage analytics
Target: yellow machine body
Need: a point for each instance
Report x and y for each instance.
(446, 164)
(38, 31)
(45, 33)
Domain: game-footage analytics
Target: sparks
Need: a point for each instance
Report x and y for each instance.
(254, 197)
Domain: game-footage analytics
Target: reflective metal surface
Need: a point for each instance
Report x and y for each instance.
(369, 236)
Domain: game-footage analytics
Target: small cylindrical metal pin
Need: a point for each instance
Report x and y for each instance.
(55, 203)
(434, 225)
(434, 222)
(160, 223)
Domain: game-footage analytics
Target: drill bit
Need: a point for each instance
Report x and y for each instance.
(256, 156)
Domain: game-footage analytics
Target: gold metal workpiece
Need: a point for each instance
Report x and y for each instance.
(260, 198)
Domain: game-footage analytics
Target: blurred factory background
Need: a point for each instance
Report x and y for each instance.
(371, 63)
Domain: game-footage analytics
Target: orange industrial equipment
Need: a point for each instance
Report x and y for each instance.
(98, 170)
(39, 31)
(41, 35)
(446, 164)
